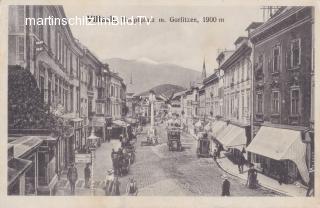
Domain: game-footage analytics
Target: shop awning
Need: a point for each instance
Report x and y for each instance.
(17, 167)
(24, 145)
(281, 144)
(217, 127)
(224, 132)
(235, 137)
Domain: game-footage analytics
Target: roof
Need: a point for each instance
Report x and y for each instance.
(279, 16)
(239, 39)
(178, 94)
(254, 25)
(25, 144)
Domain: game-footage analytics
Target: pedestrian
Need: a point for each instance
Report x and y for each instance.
(87, 175)
(116, 187)
(281, 173)
(72, 176)
(251, 177)
(132, 189)
(109, 182)
(219, 150)
(241, 163)
(310, 183)
(225, 186)
(215, 154)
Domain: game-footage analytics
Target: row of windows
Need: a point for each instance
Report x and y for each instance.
(276, 100)
(237, 74)
(292, 57)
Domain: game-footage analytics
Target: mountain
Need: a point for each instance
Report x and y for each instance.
(165, 90)
(147, 73)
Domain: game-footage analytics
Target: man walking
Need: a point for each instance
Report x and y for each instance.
(72, 176)
(116, 187)
(87, 175)
(225, 186)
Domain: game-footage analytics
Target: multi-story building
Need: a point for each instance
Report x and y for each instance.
(190, 105)
(282, 93)
(123, 100)
(71, 80)
(115, 97)
(52, 55)
(236, 70)
(212, 104)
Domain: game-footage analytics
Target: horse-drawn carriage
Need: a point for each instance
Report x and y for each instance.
(174, 142)
(121, 162)
(203, 146)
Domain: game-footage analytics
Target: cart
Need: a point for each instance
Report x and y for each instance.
(203, 147)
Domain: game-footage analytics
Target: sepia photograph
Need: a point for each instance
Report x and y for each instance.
(159, 100)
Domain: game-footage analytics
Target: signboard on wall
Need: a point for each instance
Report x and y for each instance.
(82, 158)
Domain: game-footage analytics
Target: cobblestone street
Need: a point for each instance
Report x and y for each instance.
(159, 172)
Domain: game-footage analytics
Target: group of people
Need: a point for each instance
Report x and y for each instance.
(112, 185)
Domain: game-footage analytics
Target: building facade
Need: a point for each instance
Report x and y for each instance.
(72, 82)
(282, 91)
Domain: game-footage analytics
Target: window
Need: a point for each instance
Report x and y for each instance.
(20, 47)
(295, 101)
(49, 91)
(242, 103)
(260, 60)
(100, 108)
(49, 36)
(42, 87)
(295, 52)
(259, 103)
(20, 15)
(40, 26)
(242, 70)
(70, 64)
(276, 59)
(71, 98)
(275, 102)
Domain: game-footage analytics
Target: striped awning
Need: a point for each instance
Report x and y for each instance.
(217, 127)
(234, 137)
(281, 144)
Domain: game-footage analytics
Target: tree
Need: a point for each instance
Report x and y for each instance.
(26, 108)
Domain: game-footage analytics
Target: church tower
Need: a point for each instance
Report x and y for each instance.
(204, 72)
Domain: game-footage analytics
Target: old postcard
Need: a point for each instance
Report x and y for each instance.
(159, 104)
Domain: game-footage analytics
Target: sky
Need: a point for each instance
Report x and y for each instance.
(184, 44)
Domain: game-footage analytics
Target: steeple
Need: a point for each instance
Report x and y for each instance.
(204, 73)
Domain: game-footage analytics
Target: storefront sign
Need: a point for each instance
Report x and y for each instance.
(82, 158)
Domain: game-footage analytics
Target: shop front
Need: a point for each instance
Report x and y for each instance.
(49, 158)
(233, 139)
(279, 151)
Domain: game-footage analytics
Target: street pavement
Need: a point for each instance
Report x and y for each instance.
(160, 172)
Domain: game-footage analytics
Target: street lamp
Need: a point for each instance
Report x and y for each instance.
(92, 141)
